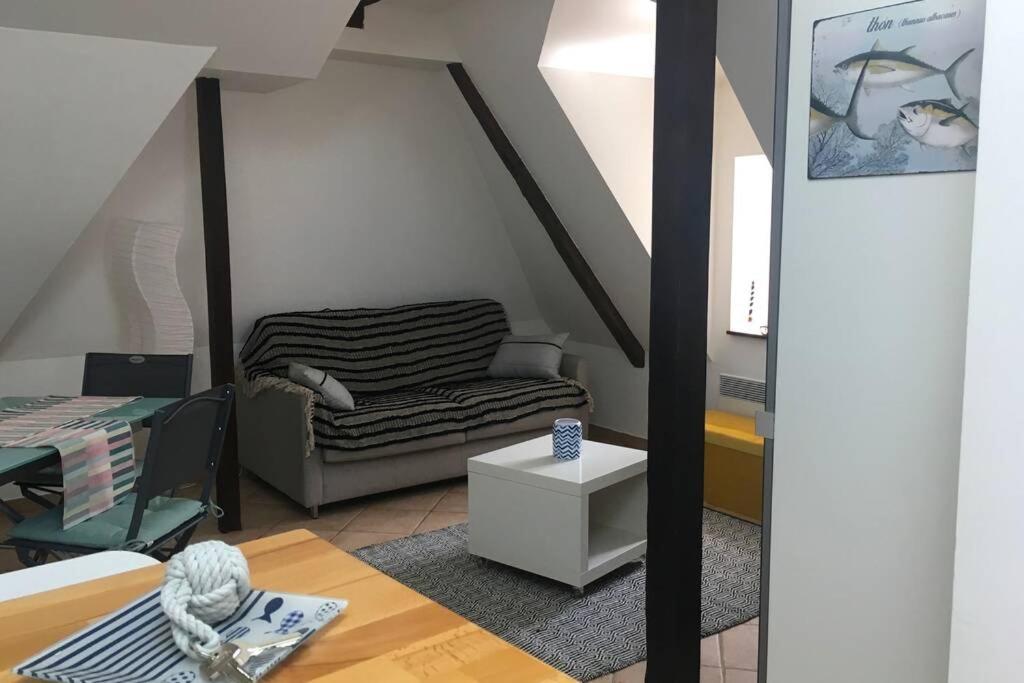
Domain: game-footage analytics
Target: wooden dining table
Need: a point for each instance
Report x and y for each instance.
(388, 634)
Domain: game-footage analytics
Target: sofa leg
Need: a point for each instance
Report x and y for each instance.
(314, 512)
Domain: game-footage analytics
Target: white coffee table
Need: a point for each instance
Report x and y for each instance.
(571, 521)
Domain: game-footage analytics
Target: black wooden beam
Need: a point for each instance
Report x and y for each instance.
(358, 18)
(560, 237)
(684, 96)
(218, 284)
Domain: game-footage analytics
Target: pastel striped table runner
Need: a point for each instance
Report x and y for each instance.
(52, 411)
(98, 462)
(96, 454)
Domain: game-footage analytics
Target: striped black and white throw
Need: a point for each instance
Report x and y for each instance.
(415, 371)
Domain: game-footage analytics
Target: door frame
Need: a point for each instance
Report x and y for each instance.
(782, 49)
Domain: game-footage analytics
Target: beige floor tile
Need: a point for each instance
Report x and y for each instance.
(256, 491)
(265, 515)
(325, 529)
(339, 513)
(232, 537)
(632, 674)
(739, 647)
(208, 527)
(710, 652)
(440, 520)
(740, 676)
(607, 678)
(459, 485)
(710, 674)
(416, 499)
(353, 540)
(454, 501)
(9, 561)
(387, 521)
(26, 507)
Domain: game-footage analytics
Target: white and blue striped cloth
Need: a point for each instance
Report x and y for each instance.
(134, 645)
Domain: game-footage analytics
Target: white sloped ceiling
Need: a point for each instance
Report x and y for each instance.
(261, 45)
(500, 44)
(72, 125)
(746, 51)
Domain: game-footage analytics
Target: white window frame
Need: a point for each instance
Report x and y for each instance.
(751, 245)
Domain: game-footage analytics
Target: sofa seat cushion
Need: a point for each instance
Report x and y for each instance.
(409, 417)
(424, 443)
(531, 423)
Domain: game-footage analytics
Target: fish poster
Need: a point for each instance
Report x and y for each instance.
(896, 90)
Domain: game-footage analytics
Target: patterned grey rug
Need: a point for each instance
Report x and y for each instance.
(585, 636)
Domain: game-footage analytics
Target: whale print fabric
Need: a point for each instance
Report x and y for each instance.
(134, 644)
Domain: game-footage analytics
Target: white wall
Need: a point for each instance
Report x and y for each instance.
(729, 354)
(75, 310)
(872, 318)
(358, 188)
(72, 125)
(987, 595)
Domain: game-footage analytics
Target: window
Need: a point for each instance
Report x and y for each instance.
(751, 239)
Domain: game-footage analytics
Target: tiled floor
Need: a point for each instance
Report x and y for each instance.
(730, 657)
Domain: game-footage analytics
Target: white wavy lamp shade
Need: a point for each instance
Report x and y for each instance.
(157, 317)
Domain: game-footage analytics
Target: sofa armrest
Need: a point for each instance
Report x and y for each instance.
(574, 367)
(273, 433)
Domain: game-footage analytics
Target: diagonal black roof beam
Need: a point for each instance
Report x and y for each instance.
(358, 18)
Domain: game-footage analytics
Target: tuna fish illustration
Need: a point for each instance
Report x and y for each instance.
(823, 117)
(937, 123)
(897, 69)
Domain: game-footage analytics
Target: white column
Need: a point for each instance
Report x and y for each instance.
(872, 319)
(988, 593)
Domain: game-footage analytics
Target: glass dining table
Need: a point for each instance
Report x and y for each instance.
(16, 463)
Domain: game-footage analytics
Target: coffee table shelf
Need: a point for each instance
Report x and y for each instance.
(607, 544)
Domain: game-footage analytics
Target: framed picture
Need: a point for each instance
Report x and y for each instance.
(896, 90)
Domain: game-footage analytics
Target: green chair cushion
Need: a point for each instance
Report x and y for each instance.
(109, 529)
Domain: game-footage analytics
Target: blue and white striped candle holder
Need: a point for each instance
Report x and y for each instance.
(567, 438)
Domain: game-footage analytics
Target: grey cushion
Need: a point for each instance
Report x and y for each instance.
(334, 392)
(536, 356)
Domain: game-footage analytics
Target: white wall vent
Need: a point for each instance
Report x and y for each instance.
(743, 388)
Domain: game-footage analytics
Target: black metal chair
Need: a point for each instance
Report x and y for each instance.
(184, 447)
(133, 374)
(117, 374)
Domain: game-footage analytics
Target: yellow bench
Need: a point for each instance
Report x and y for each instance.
(733, 465)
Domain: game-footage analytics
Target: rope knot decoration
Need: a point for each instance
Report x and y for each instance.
(203, 584)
